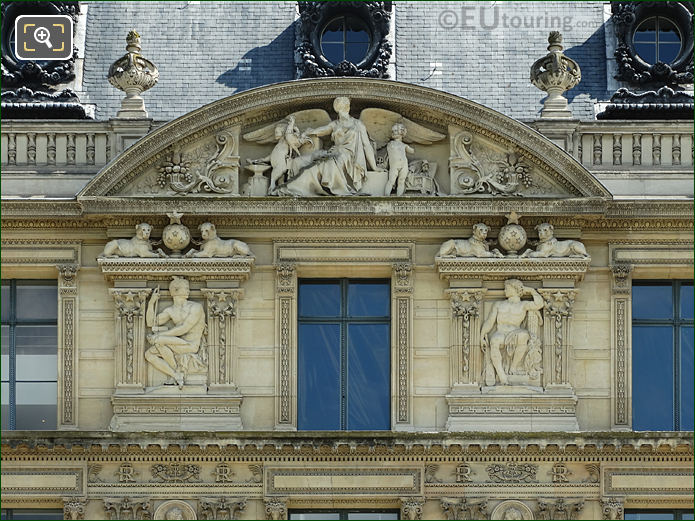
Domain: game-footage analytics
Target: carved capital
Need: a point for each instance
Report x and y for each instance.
(559, 302)
(286, 278)
(612, 507)
(465, 303)
(621, 278)
(129, 302)
(470, 508)
(559, 509)
(411, 507)
(221, 507)
(276, 508)
(127, 508)
(74, 507)
(67, 275)
(402, 278)
(222, 303)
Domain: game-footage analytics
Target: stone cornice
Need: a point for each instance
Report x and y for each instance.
(606, 442)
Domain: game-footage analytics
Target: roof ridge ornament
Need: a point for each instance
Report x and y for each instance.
(133, 74)
(555, 73)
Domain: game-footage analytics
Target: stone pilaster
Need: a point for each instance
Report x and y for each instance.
(286, 358)
(557, 315)
(275, 508)
(74, 507)
(221, 320)
(68, 326)
(401, 327)
(130, 373)
(411, 507)
(621, 342)
(465, 336)
(612, 508)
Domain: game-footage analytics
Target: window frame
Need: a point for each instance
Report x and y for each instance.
(12, 323)
(344, 320)
(343, 512)
(676, 323)
(677, 512)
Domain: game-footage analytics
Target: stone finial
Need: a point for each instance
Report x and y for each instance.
(133, 74)
(555, 73)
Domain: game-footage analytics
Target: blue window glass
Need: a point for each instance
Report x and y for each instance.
(31, 513)
(344, 515)
(344, 355)
(659, 514)
(345, 38)
(662, 355)
(29, 354)
(657, 39)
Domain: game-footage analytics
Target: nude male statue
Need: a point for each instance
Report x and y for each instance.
(184, 337)
(508, 316)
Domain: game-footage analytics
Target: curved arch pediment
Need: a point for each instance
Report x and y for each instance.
(455, 147)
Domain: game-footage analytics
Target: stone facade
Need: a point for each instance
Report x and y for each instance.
(510, 252)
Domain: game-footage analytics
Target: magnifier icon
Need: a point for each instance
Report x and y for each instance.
(42, 35)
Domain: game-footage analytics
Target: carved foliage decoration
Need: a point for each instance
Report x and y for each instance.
(612, 508)
(627, 16)
(221, 507)
(74, 507)
(560, 509)
(558, 312)
(221, 309)
(130, 335)
(465, 306)
(467, 508)
(411, 507)
(513, 472)
(315, 15)
(275, 509)
(128, 508)
(286, 285)
(175, 473)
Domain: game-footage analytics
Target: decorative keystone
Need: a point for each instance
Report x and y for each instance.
(555, 73)
(133, 74)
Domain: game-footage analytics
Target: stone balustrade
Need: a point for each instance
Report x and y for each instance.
(86, 146)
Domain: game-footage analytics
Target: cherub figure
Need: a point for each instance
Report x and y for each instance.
(398, 160)
(289, 140)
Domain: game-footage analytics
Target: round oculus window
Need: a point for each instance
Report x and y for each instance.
(657, 39)
(346, 38)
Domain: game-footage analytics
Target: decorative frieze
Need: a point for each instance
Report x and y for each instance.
(513, 473)
(175, 473)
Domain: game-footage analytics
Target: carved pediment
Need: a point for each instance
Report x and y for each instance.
(342, 137)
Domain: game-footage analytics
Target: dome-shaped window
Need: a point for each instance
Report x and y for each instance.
(657, 39)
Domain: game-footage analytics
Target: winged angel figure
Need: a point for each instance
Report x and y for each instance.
(343, 167)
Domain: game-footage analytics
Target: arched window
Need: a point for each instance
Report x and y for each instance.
(657, 39)
(345, 38)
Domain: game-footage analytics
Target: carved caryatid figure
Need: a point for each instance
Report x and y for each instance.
(138, 246)
(475, 246)
(174, 350)
(519, 344)
(343, 168)
(213, 246)
(549, 246)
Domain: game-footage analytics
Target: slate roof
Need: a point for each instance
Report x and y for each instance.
(202, 50)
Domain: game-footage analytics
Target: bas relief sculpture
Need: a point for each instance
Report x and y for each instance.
(176, 350)
(349, 161)
(511, 337)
